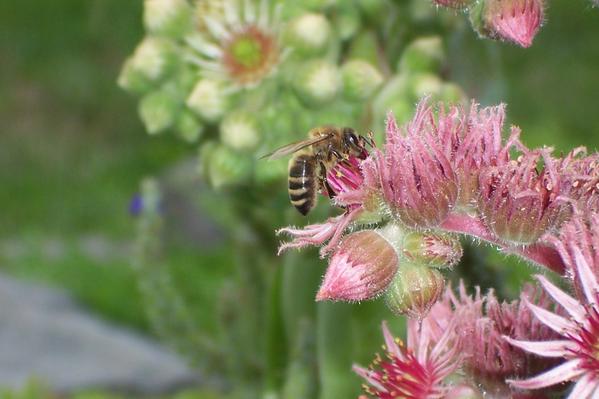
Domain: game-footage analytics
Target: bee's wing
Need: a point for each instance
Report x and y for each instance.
(294, 147)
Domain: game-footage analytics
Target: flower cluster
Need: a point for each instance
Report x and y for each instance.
(450, 172)
(445, 172)
(462, 349)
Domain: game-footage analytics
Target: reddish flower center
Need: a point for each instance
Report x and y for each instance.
(345, 176)
(588, 342)
(250, 54)
(401, 378)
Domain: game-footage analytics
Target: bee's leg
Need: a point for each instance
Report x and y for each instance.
(368, 139)
(337, 154)
(324, 184)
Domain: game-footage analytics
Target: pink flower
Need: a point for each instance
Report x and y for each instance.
(345, 176)
(578, 331)
(580, 235)
(419, 370)
(360, 269)
(416, 178)
(581, 179)
(518, 202)
(476, 143)
(483, 323)
(515, 20)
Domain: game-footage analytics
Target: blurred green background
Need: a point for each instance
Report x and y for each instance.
(72, 149)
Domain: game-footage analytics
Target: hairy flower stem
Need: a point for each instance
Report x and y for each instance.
(539, 254)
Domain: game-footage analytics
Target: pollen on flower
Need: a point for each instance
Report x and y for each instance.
(418, 370)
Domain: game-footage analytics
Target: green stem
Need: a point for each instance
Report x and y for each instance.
(275, 339)
(335, 357)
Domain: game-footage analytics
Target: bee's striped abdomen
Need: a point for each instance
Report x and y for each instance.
(302, 188)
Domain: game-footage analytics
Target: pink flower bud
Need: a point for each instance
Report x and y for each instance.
(517, 21)
(519, 203)
(434, 250)
(360, 269)
(414, 290)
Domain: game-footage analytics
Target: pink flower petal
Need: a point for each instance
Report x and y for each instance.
(543, 348)
(587, 278)
(562, 373)
(584, 388)
(551, 320)
(571, 305)
(367, 375)
(390, 341)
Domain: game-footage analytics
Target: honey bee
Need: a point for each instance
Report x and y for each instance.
(325, 146)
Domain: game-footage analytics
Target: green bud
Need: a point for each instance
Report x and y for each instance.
(452, 93)
(158, 111)
(364, 46)
(347, 21)
(151, 61)
(318, 82)
(239, 131)
(477, 19)
(171, 18)
(189, 127)
(208, 100)
(360, 79)
(318, 5)
(374, 9)
(395, 96)
(414, 290)
(226, 167)
(425, 54)
(184, 79)
(270, 171)
(425, 84)
(309, 34)
(430, 249)
(422, 12)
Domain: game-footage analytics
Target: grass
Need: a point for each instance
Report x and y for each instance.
(72, 154)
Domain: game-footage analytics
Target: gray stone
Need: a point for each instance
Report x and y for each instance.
(44, 334)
